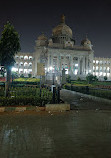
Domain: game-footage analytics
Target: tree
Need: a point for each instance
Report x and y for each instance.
(14, 75)
(90, 78)
(9, 46)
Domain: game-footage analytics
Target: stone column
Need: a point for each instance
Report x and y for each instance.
(64, 60)
(79, 65)
(48, 62)
(83, 66)
(58, 63)
(71, 64)
(87, 65)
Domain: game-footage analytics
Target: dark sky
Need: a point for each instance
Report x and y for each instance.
(31, 18)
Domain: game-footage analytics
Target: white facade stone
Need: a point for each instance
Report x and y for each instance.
(61, 52)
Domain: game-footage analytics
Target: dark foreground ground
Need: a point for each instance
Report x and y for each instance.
(74, 134)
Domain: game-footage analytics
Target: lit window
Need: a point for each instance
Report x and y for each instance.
(101, 62)
(96, 67)
(20, 70)
(96, 73)
(76, 65)
(104, 68)
(25, 57)
(25, 70)
(30, 64)
(25, 64)
(21, 64)
(93, 61)
(75, 72)
(101, 73)
(21, 57)
(97, 61)
(30, 57)
(100, 68)
(17, 57)
(66, 72)
(14, 69)
(75, 58)
(30, 70)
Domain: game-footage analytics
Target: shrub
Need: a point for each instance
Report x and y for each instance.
(22, 75)
(78, 79)
(90, 78)
(105, 78)
(68, 79)
(29, 75)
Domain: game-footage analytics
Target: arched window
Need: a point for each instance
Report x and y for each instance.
(26, 57)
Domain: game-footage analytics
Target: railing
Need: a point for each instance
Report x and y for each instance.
(104, 93)
(29, 96)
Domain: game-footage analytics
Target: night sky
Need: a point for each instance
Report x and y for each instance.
(31, 18)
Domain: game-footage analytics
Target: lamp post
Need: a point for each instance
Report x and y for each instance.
(53, 78)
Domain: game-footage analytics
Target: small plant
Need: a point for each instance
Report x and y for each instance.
(22, 75)
(78, 79)
(90, 78)
(68, 79)
(29, 75)
(105, 78)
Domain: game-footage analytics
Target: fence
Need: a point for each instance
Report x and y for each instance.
(104, 93)
(29, 96)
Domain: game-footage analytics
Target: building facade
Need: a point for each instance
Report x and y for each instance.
(102, 68)
(61, 52)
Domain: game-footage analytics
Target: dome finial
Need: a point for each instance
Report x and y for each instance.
(62, 18)
(86, 35)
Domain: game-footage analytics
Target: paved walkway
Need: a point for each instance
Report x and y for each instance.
(78, 101)
(74, 134)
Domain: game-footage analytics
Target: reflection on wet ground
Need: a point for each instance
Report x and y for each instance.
(79, 134)
(73, 134)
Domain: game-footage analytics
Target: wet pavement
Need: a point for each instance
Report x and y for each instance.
(78, 101)
(73, 134)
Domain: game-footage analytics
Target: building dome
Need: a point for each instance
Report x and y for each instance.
(42, 37)
(85, 41)
(62, 29)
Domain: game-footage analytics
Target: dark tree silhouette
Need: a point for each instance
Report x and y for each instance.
(9, 46)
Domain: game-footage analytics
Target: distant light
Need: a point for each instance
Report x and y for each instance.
(25, 70)
(75, 72)
(101, 73)
(76, 65)
(96, 73)
(51, 68)
(14, 69)
(66, 71)
(97, 61)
